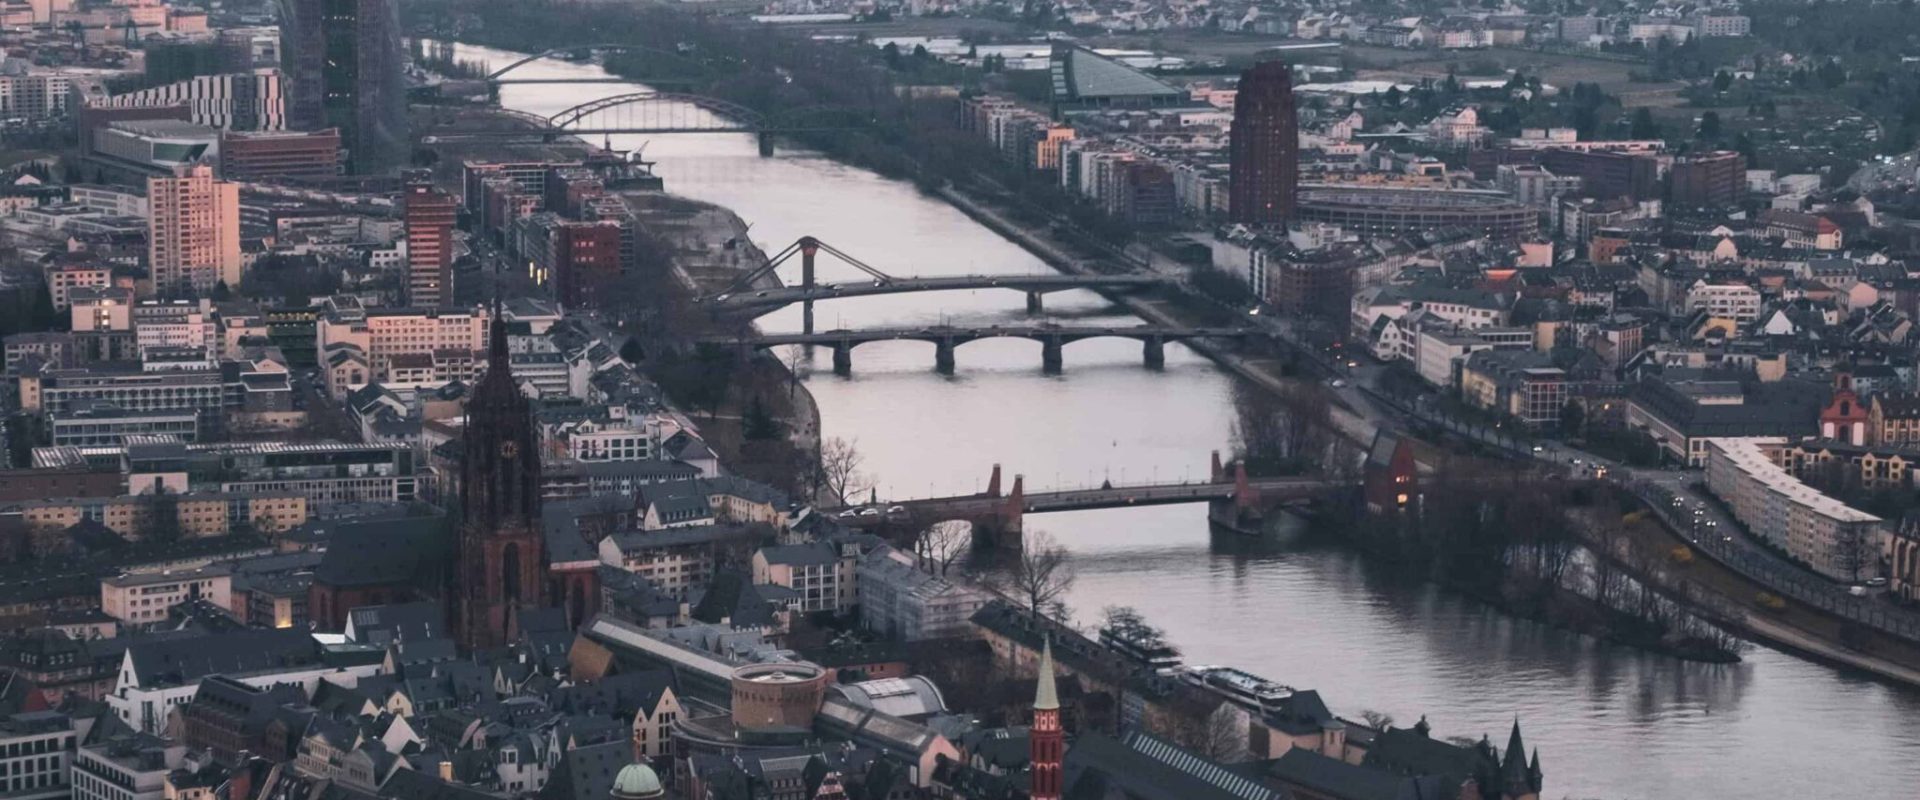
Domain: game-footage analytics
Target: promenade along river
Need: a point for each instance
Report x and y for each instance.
(1609, 722)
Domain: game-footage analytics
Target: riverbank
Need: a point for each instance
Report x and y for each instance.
(706, 249)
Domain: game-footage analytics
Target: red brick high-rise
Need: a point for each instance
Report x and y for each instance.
(1264, 178)
(429, 215)
(1046, 742)
(500, 560)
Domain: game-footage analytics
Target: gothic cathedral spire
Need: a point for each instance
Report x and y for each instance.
(500, 554)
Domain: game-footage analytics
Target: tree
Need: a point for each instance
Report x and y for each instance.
(757, 424)
(1722, 81)
(632, 352)
(941, 544)
(1040, 576)
(1377, 720)
(1127, 623)
(1573, 418)
(840, 475)
(1709, 125)
(221, 292)
(1643, 126)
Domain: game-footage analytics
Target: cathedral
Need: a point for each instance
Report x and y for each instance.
(498, 553)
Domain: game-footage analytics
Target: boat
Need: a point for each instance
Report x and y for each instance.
(1247, 688)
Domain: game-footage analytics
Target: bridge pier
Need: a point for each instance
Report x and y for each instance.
(843, 359)
(1154, 349)
(809, 246)
(943, 356)
(1035, 305)
(766, 144)
(1051, 358)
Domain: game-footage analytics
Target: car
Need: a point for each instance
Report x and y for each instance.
(1338, 384)
(869, 512)
(1857, 590)
(1713, 524)
(851, 512)
(1576, 462)
(896, 509)
(1539, 449)
(1876, 582)
(1699, 511)
(1353, 365)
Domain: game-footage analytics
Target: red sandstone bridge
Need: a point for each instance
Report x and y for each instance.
(997, 517)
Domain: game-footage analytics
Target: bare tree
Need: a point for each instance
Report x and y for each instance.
(1377, 720)
(1127, 623)
(941, 544)
(840, 475)
(1040, 576)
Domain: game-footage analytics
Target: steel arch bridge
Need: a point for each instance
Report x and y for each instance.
(496, 75)
(658, 112)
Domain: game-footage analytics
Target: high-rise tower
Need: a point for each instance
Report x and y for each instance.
(1265, 174)
(429, 215)
(343, 62)
(1047, 746)
(193, 232)
(500, 552)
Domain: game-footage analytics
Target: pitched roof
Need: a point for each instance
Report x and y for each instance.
(1146, 767)
(180, 661)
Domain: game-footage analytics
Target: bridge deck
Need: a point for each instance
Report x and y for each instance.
(770, 298)
(959, 334)
(1119, 496)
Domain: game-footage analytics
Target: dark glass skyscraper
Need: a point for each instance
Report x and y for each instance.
(1265, 175)
(343, 61)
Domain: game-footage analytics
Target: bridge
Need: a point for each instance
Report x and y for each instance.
(998, 519)
(652, 112)
(944, 338)
(740, 297)
(496, 78)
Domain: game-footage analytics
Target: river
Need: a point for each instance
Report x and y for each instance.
(1610, 722)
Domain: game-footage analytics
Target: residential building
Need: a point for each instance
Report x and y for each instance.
(159, 674)
(1826, 535)
(194, 232)
(820, 573)
(1522, 385)
(674, 559)
(1264, 176)
(146, 597)
(1710, 179)
(1735, 301)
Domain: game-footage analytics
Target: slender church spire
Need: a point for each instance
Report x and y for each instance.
(1046, 741)
(1046, 696)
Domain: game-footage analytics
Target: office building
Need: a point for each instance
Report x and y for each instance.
(194, 232)
(1265, 173)
(269, 156)
(343, 61)
(1709, 179)
(429, 215)
(36, 752)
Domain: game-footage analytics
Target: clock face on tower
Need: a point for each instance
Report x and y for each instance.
(509, 449)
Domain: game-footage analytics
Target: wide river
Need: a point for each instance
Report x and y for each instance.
(1610, 722)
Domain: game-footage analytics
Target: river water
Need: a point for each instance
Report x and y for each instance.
(1610, 722)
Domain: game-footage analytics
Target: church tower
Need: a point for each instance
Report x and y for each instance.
(1046, 745)
(500, 554)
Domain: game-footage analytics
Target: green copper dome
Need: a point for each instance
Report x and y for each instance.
(637, 781)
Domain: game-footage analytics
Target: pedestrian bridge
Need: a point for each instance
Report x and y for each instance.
(997, 519)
